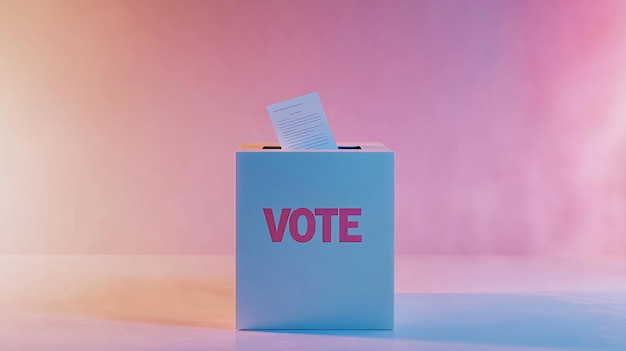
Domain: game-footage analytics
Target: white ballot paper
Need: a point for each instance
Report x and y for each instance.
(300, 123)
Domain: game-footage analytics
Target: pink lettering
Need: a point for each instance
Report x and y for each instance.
(310, 225)
(327, 214)
(276, 232)
(345, 224)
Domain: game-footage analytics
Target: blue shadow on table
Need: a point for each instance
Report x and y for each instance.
(594, 321)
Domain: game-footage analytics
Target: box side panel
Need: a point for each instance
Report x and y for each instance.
(318, 283)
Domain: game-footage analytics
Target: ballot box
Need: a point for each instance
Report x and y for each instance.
(314, 240)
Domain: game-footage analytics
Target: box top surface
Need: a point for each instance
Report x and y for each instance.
(343, 147)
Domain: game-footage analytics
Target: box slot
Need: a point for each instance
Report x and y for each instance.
(349, 147)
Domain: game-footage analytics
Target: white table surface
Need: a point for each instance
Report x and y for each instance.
(187, 303)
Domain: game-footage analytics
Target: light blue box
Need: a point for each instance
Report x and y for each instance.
(318, 281)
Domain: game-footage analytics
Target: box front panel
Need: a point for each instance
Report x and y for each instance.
(314, 240)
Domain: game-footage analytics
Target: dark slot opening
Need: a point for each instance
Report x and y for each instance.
(355, 147)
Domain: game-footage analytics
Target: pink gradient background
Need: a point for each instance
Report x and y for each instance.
(119, 119)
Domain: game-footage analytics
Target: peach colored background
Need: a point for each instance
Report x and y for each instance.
(119, 119)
